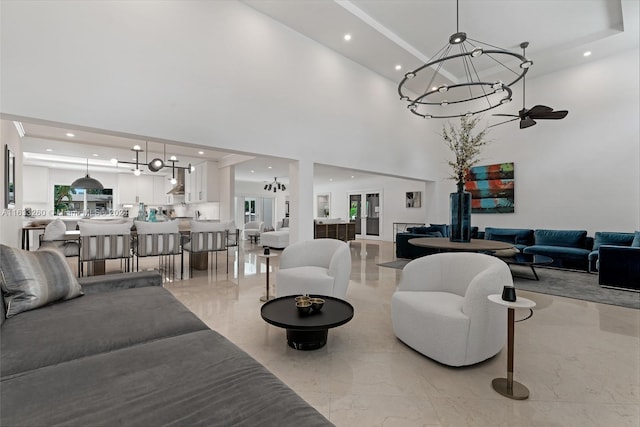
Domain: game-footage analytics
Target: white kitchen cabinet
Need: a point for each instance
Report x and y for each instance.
(159, 191)
(135, 189)
(203, 184)
(36, 184)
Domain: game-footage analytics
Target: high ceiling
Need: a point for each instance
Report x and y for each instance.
(384, 34)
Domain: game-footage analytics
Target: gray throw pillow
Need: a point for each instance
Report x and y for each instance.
(32, 279)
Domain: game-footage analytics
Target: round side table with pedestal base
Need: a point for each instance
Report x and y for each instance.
(507, 386)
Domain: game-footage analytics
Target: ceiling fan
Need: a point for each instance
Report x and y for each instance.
(528, 117)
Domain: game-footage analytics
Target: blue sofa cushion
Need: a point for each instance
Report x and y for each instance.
(417, 230)
(558, 252)
(563, 238)
(520, 236)
(442, 228)
(636, 240)
(612, 238)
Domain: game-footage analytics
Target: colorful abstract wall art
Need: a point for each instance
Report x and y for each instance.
(491, 188)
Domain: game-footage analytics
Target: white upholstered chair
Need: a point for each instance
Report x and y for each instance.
(54, 237)
(253, 228)
(320, 266)
(440, 307)
(157, 239)
(104, 240)
(205, 237)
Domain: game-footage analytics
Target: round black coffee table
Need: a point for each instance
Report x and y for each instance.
(528, 260)
(306, 332)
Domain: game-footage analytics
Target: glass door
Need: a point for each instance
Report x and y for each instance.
(366, 215)
(372, 227)
(249, 209)
(355, 209)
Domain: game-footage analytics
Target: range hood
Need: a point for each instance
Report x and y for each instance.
(178, 189)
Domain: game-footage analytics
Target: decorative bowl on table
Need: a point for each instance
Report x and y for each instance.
(316, 303)
(303, 306)
(302, 298)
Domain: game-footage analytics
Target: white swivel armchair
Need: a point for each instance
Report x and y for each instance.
(440, 307)
(253, 228)
(320, 266)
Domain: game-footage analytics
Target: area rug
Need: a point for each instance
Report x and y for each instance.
(563, 283)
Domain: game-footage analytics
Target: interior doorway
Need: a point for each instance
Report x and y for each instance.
(365, 208)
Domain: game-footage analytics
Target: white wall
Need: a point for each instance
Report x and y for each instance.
(11, 219)
(204, 72)
(582, 172)
(393, 194)
(184, 71)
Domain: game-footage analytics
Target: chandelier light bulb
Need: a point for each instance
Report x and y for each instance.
(114, 161)
(136, 172)
(477, 52)
(443, 88)
(526, 64)
(136, 148)
(173, 181)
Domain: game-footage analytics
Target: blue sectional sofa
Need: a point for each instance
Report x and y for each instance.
(620, 266)
(404, 249)
(568, 248)
(520, 237)
(608, 238)
(572, 249)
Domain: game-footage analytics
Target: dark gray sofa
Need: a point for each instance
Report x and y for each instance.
(129, 353)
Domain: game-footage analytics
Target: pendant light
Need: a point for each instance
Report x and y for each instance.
(86, 182)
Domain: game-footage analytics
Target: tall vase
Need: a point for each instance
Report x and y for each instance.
(460, 205)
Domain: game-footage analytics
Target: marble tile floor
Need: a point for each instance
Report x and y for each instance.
(580, 360)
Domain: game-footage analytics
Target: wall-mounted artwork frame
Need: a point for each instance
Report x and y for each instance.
(10, 178)
(413, 199)
(491, 188)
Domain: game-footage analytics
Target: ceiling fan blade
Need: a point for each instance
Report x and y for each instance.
(501, 123)
(539, 109)
(527, 122)
(555, 115)
(506, 115)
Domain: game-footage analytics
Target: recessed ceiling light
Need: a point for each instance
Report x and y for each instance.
(270, 167)
(70, 135)
(352, 176)
(330, 179)
(252, 171)
(587, 53)
(95, 155)
(49, 149)
(347, 37)
(200, 152)
(398, 67)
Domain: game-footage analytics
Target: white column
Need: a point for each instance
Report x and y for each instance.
(227, 176)
(301, 200)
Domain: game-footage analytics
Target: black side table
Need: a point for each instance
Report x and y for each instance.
(306, 332)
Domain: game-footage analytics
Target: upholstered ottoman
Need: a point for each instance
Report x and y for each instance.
(275, 239)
